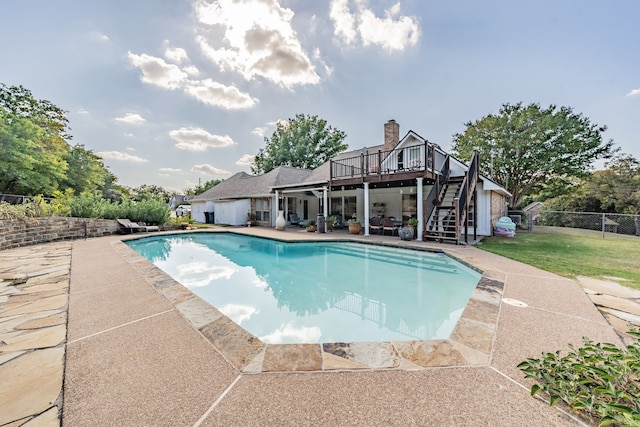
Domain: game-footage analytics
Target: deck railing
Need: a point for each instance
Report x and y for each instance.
(423, 157)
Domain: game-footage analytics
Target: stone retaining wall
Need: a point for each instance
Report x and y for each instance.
(31, 231)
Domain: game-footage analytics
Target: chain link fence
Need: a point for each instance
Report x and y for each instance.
(602, 222)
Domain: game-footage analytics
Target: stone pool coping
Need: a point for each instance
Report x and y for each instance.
(469, 344)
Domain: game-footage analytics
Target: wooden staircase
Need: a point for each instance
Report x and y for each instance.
(449, 203)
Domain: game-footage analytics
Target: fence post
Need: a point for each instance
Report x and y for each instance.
(603, 223)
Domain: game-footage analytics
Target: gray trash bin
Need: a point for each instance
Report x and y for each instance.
(320, 224)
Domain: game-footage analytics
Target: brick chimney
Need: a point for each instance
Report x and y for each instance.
(391, 135)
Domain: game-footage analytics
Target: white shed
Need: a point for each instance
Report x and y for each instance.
(231, 212)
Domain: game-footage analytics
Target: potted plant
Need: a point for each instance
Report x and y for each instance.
(408, 231)
(310, 226)
(354, 226)
(330, 221)
(251, 219)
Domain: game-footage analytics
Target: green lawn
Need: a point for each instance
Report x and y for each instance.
(572, 252)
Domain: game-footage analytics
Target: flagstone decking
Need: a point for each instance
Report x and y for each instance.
(93, 334)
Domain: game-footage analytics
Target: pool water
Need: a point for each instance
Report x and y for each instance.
(319, 292)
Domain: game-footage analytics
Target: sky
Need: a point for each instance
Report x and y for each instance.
(179, 92)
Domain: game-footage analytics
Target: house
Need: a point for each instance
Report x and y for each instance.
(401, 178)
(242, 194)
(177, 200)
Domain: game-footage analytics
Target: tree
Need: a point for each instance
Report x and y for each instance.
(33, 143)
(86, 172)
(18, 102)
(304, 142)
(527, 149)
(618, 186)
(151, 192)
(31, 163)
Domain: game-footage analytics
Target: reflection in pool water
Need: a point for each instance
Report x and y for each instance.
(318, 292)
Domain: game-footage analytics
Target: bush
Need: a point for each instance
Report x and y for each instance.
(88, 205)
(600, 381)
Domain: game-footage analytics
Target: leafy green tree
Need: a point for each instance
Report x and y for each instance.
(618, 186)
(112, 191)
(18, 102)
(86, 171)
(529, 149)
(33, 142)
(304, 142)
(155, 192)
(31, 162)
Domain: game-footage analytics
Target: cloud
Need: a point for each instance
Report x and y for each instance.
(156, 71)
(82, 111)
(116, 155)
(260, 131)
(392, 33)
(291, 332)
(96, 35)
(344, 21)
(131, 118)
(170, 170)
(245, 160)
(177, 55)
(634, 92)
(216, 94)
(198, 274)
(258, 41)
(239, 313)
(209, 170)
(198, 139)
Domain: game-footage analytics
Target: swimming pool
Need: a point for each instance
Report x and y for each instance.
(318, 292)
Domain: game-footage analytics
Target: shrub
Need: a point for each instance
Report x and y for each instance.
(88, 205)
(600, 381)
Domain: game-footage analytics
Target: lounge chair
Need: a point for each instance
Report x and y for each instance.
(126, 226)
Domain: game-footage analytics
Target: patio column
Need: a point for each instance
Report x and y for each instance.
(420, 211)
(275, 211)
(366, 208)
(325, 204)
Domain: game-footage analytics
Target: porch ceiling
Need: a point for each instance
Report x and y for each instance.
(350, 185)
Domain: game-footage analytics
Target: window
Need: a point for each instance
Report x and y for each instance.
(409, 206)
(349, 207)
(414, 160)
(336, 206)
(263, 210)
(291, 204)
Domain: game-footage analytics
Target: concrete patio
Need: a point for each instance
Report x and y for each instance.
(92, 334)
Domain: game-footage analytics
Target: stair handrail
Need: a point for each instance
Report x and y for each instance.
(463, 199)
(435, 197)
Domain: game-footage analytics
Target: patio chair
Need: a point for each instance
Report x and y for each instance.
(294, 219)
(126, 226)
(389, 224)
(375, 224)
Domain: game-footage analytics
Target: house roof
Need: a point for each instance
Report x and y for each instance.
(242, 185)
